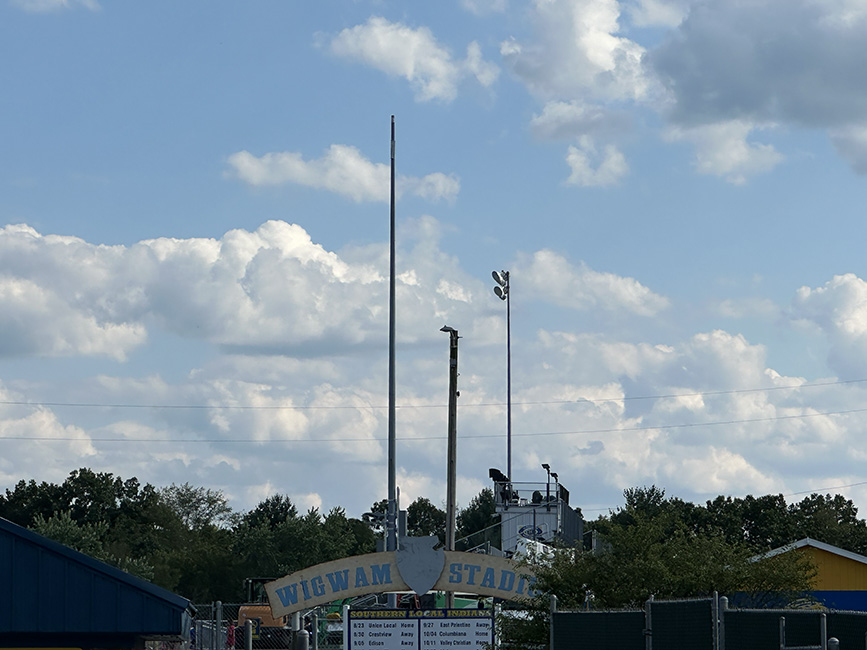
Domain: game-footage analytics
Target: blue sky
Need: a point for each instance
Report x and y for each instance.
(194, 244)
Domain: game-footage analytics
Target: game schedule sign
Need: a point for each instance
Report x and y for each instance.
(429, 629)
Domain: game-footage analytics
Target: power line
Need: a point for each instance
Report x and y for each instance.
(465, 437)
(278, 407)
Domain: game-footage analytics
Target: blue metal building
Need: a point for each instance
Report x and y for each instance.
(52, 596)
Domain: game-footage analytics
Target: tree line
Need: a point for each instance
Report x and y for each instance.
(188, 539)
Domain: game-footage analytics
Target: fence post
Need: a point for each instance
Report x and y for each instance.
(302, 640)
(551, 630)
(217, 643)
(314, 627)
(648, 625)
(833, 643)
(823, 630)
(346, 629)
(723, 608)
(782, 633)
(248, 634)
(715, 615)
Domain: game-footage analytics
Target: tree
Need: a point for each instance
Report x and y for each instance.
(198, 507)
(89, 539)
(271, 512)
(660, 548)
(833, 520)
(424, 518)
(28, 500)
(477, 523)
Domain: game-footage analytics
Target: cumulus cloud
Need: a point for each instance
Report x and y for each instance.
(414, 54)
(272, 290)
(342, 170)
(577, 52)
(593, 168)
(722, 149)
(567, 120)
(46, 6)
(583, 288)
(661, 413)
(767, 61)
(295, 383)
(839, 309)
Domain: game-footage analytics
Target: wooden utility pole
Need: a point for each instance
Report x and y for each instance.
(451, 482)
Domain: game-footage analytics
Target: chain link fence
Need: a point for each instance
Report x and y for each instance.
(221, 626)
(705, 624)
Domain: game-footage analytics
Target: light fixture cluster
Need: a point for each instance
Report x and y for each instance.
(502, 279)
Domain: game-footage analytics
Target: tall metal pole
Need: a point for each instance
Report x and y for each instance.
(391, 515)
(503, 292)
(508, 377)
(451, 482)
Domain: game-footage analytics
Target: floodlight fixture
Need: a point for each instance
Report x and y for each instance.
(502, 292)
(546, 466)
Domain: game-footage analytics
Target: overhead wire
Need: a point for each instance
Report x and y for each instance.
(652, 427)
(312, 407)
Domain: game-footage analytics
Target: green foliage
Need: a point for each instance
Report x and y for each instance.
(271, 512)
(188, 539)
(668, 548)
(197, 507)
(86, 538)
(477, 523)
(424, 518)
(89, 539)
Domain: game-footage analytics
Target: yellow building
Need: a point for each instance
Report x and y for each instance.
(841, 576)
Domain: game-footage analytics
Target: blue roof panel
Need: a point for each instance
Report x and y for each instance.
(48, 588)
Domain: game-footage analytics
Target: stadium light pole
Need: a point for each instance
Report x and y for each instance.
(502, 292)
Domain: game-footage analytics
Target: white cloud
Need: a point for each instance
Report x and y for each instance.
(839, 309)
(485, 72)
(592, 168)
(702, 439)
(712, 470)
(414, 54)
(562, 120)
(577, 52)
(722, 149)
(342, 170)
(583, 288)
(272, 290)
(304, 383)
(46, 6)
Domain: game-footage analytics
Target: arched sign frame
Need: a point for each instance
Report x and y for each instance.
(410, 569)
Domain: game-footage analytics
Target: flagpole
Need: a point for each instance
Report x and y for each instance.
(391, 517)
